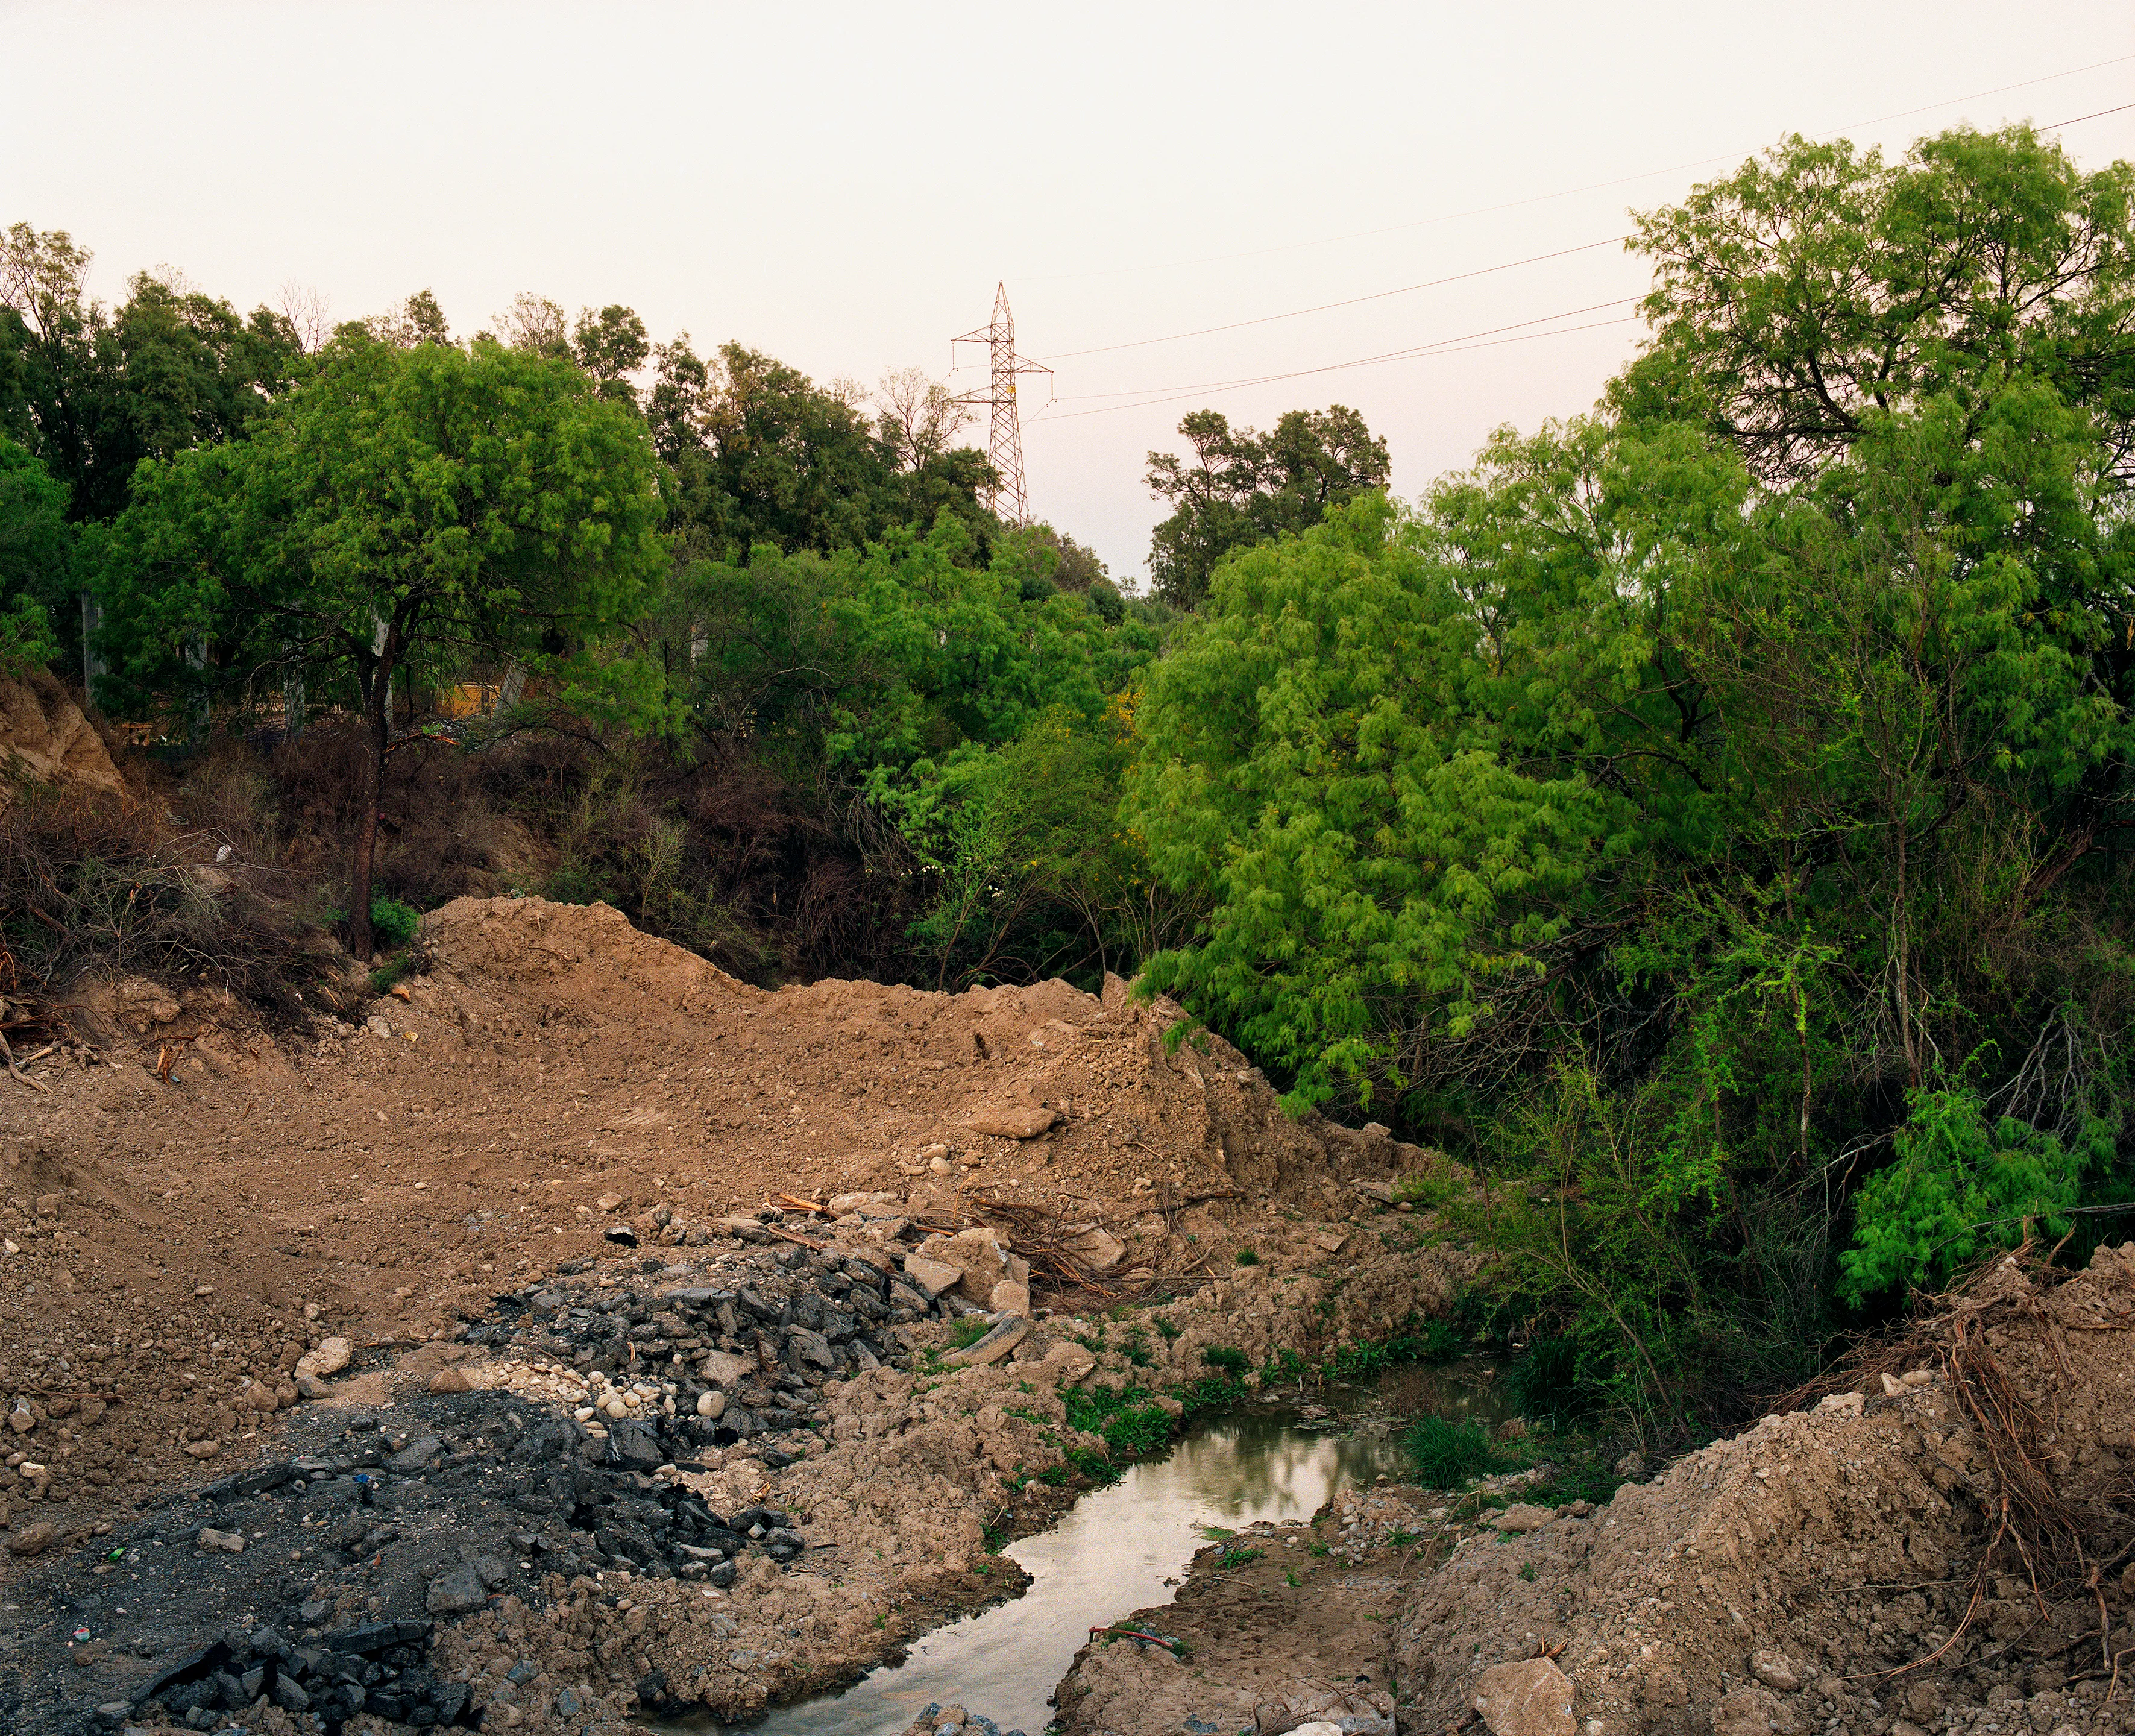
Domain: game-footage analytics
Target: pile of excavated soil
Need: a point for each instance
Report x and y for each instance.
(190, 1216)
(1840, 1568)
(177, 1242)
(1824, 1570)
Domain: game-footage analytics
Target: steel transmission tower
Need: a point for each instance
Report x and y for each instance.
(1005, 436)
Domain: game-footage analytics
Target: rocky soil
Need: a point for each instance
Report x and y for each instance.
(1948, 1547)
(508, 1321)
(587, 1336)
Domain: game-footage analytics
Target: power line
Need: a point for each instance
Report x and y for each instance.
(1445, 346)
(1216, 385)
(2121, 108)
(1449, 346)
(1592, 186)
(1376, 295)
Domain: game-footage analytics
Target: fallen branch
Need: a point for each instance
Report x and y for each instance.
(1135, 1633)
(15, 1070)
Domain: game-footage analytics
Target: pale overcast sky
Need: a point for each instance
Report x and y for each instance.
(842, 185)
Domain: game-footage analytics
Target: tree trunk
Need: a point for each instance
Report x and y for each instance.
(375, 719)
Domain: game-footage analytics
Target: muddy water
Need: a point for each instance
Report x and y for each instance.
(1118, 1550)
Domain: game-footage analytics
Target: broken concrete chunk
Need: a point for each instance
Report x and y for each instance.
(230, 1542)
(997, 1344)
(1775, 1669)
(1382, 1192)
(330, 1358)
(722, 1368)
(457, 1592)
(1009, 1297)
(1521, 1518)
(1071, 1361)
(931, 1277)
(1097, 1249)
(1531, 1698)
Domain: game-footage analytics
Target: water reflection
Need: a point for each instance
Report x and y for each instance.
(1395, 1397)
(1113, 1551)
(1109, 1556)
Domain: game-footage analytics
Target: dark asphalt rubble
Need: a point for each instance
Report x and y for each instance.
(346, 1554)
(741, 1342)
(374, 1666)
(447, 1502)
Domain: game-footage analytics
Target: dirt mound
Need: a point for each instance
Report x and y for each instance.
(1867, 1563)
(580, 954)
(44, 735)
(189, 1218)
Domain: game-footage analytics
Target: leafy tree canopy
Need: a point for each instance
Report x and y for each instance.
(1821, 286)
(403, 508)
(97, 391)
(1240, 487)
(36, 554)
(762, 454)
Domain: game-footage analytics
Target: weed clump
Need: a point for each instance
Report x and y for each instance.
(1447, 1454)
(93, 884)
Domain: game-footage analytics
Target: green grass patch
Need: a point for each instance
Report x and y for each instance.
(1128, 1417)
(966, 1332)
(1248, 1256)
(1447, 1454)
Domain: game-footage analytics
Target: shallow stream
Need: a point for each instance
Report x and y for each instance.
(1116, 1550)
(1127, 1546)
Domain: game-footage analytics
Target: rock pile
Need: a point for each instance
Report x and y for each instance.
(736, 1346)
(378, 1667)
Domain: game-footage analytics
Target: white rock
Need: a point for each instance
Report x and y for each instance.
(330, 1358)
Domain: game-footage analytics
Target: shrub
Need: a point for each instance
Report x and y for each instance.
(393, 923)
(93, 882)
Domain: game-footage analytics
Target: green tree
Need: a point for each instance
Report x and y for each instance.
(98, 390)
(37, 551)
(611, 346)
(404, 509)
(1821, 286)
(1240, 487)
(762, 454)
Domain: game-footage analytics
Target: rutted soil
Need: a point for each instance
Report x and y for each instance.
(199, 1212)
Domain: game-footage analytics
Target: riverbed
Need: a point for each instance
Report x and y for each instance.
(1118, 1550)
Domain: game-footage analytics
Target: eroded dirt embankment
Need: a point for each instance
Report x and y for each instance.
(1949, 1547)
(193, 1225)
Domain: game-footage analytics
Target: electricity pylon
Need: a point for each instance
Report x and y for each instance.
(1005, 436)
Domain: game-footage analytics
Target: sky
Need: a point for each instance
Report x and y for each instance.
(843, 185)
